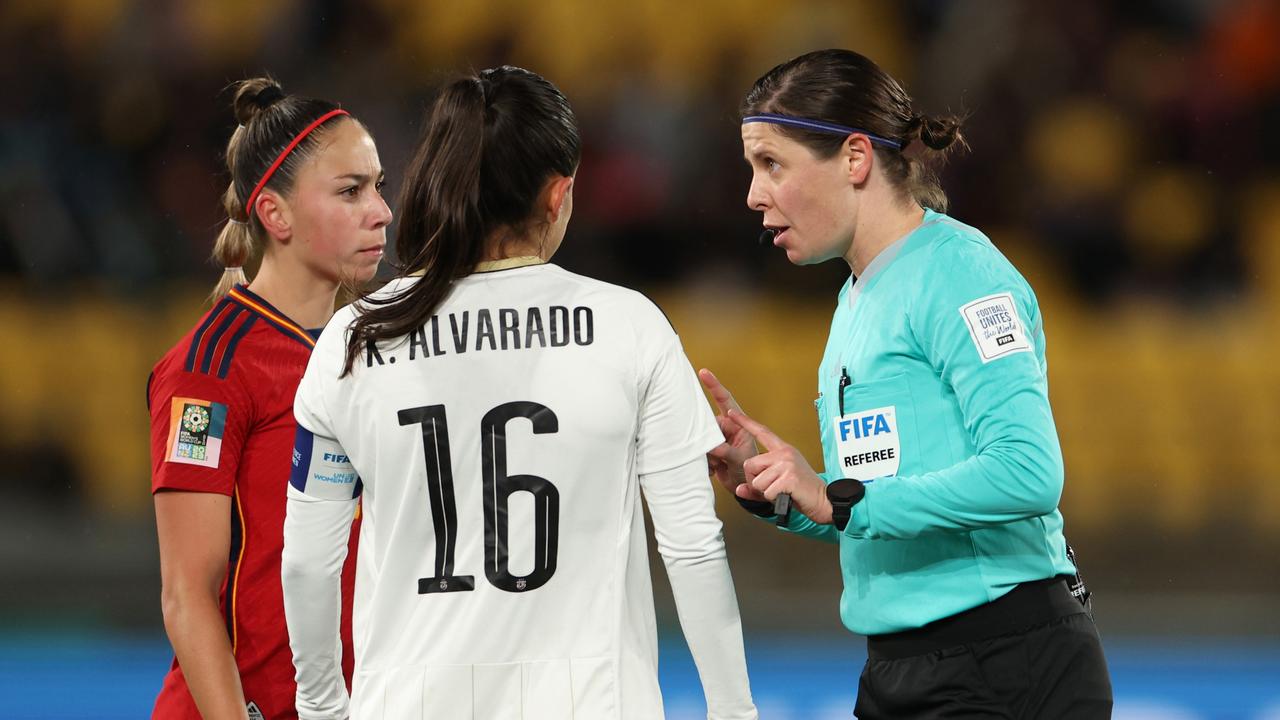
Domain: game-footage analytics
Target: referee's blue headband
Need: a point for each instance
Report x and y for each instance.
(819, 126)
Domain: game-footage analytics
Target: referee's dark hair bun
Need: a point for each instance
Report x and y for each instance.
(939, 133)
(255, 95)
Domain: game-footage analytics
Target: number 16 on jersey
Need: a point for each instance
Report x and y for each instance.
(498, 488)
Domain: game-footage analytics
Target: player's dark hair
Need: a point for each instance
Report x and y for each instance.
(491, 142)
(268, 121)
(846, 88)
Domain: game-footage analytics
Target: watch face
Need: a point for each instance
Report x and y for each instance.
(845, 490)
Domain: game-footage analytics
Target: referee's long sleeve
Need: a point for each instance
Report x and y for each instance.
(1014, 471)
(691, 543)
(315, 547)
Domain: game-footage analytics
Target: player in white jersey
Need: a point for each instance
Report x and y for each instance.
(501, 418)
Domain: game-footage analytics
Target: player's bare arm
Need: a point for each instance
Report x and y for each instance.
(195, 539)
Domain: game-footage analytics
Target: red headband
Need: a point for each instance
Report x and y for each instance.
(248, 206)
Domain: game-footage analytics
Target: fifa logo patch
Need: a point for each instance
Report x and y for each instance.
(864, 426)
(195, 432)
(868, 444)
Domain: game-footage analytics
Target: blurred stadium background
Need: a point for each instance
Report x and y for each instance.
(1124, 155)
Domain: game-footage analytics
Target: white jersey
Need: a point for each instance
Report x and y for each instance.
(500, 452)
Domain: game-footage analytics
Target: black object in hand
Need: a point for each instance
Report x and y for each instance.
(782, 509)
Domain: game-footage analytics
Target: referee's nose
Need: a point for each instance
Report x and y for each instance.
(757, 198)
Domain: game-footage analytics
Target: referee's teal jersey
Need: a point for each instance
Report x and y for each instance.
(933, 391)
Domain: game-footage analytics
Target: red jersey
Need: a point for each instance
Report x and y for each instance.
(221, 404)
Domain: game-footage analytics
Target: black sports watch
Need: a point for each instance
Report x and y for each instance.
(843, 494)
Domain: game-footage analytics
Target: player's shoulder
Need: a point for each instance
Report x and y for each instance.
(613, 295)
(201, 364)
(231, 340)
(630, 303)
(211, 346)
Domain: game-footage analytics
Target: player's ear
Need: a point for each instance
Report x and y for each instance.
(557, 191)
(275, 216)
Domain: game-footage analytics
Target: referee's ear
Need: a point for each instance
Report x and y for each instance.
(857, 152)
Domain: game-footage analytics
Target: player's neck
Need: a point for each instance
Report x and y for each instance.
(502, 245)
(303, 297)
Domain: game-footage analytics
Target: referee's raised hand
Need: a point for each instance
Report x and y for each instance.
(782, 469)
(725, 460)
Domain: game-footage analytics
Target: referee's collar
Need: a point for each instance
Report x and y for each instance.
(886, 256)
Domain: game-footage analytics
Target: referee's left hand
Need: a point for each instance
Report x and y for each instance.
(782, 469)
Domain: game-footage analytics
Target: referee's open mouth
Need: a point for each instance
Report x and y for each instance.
(778, 231)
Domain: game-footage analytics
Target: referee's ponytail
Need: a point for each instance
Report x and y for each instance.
(492, 140)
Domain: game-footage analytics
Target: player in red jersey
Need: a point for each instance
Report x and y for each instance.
(306, 196)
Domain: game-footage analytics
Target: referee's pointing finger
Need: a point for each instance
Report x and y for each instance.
(719, 392)
(762, 434)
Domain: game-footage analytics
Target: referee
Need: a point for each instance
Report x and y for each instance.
(943, 469)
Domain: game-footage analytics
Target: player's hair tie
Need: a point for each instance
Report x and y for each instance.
(234, 221)
(819, 126)
(268, 96)
(248, 206)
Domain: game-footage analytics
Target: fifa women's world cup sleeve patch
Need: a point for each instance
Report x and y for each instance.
(321, 468)
(196, 428)
(995, 326)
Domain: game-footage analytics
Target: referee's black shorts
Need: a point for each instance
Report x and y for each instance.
(1033, 653)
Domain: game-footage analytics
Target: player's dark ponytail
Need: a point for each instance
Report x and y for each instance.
(491, 142)
(268, 121)
(845, 88)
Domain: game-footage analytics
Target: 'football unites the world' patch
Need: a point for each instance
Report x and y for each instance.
(195, 432)
(995, 326)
